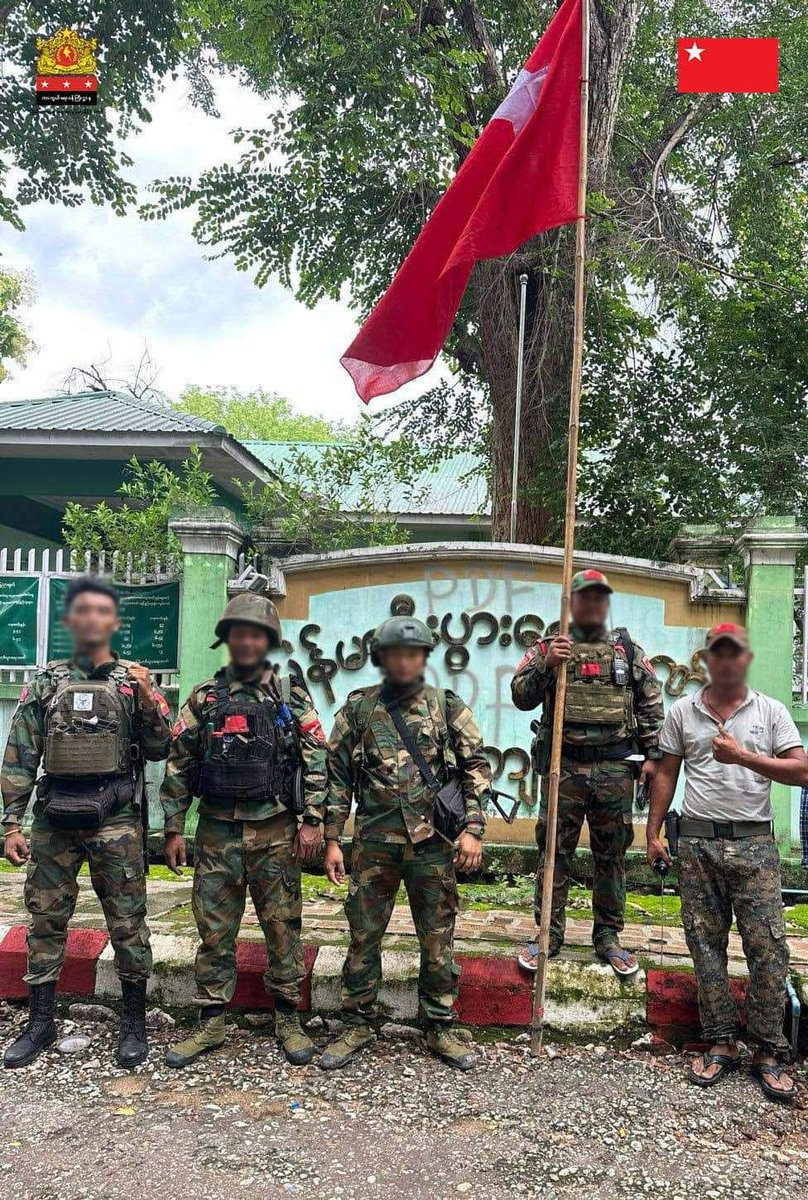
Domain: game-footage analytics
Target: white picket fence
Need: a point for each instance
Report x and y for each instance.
(115, 568)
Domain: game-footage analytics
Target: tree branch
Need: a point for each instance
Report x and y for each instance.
(471, 20)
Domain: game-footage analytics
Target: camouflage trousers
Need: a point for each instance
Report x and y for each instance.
(232, 858)
(115, 856)
(717, 877)
(603, 793)
(377, 871)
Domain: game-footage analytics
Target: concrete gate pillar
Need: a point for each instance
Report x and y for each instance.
(210, 540)
(769, 549)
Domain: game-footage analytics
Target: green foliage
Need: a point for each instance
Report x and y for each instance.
(339, 496)
(695, 379)
(63, 155)
(15, 344)
(139, 527)
(256, 416)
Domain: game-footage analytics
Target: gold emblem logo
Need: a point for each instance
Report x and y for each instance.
(66, 53)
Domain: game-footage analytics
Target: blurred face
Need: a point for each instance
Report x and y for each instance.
(248, 644)
(403, 664)
(92, 618)
(727, 664)
(590, 608)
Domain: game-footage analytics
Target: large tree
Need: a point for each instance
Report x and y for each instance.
(63, 155)
(374, 105)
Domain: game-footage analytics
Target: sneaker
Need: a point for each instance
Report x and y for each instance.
(443, 1041)
(340, 1052)
(209, 1035)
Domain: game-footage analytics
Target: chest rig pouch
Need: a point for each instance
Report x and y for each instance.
(246, 755)
(598, 685)
(91, 749)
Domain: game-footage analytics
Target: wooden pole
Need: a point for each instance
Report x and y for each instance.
(537, 1022)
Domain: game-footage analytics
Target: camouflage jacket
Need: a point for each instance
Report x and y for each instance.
(190, 743)
(368, 762)
(532, 682)
(27, 735)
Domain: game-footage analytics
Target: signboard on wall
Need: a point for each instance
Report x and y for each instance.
(19, 602)
(150, 623)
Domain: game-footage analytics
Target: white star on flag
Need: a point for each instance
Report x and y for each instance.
(66, 84)
(694, 51)
(87, 83)
(45, 83)
(520, 103)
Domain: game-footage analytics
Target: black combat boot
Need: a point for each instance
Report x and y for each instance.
(40, 1032)
(132, 1045)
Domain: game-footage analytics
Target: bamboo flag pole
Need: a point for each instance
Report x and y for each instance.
(537, 1021)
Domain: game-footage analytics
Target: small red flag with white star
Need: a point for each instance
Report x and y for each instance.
(741, 65)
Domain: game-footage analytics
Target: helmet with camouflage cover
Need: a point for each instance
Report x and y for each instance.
(400, 631)
(253, 609)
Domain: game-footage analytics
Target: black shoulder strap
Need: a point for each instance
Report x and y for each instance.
(624, 637)
(222, 688)
(415, 754)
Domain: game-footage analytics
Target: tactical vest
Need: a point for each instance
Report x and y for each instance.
(88, 725)
(599, 691)
(252, 751)
(91, 748)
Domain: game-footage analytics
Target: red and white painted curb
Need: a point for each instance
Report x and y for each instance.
(493, 989)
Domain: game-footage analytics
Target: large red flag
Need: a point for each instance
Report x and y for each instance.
(520, 178)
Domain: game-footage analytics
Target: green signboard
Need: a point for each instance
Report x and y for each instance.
(19, 600)
(150, 623)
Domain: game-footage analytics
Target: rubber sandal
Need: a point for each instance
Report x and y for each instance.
(527, 958)
(759, 1070)
(615, 954)
(726, 1062)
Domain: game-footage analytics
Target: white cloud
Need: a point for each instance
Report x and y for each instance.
(107, 286)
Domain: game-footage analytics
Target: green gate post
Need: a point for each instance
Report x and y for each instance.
(769, 547)
(210, 540)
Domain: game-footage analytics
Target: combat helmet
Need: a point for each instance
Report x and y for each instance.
(253, 609)
(400, 631)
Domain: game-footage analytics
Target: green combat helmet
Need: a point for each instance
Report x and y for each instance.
(400, 631)
(253, 609)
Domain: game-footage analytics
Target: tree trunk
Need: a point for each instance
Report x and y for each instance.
(548, 261)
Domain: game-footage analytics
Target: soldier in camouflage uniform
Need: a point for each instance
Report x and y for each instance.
(114, 849)
(395, 839)
(733, 742)
(613, 709)
(252, 779)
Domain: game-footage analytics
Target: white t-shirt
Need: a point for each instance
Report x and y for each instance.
(717, 791)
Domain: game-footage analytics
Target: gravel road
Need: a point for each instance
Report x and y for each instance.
(594, 1121)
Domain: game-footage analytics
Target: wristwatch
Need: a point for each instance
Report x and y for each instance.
(654, 754)
(475, 829)
(310, 819)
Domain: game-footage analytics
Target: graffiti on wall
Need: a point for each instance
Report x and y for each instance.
(465, 638)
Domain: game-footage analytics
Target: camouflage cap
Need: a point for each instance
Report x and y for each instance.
(727, 631)
(590, 579)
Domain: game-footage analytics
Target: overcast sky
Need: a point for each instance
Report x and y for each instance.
(112, 285)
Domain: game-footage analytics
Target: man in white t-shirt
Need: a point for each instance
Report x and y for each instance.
(734, 742)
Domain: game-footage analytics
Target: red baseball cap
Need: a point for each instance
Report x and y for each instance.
(727, 631)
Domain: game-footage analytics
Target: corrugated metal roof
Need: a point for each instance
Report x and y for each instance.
(110, 412)
(456, 486)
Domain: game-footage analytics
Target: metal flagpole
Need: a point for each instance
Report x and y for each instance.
(517, 420)
(537, 1021)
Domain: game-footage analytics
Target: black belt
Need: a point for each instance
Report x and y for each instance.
(733, 830)
(591, 754)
